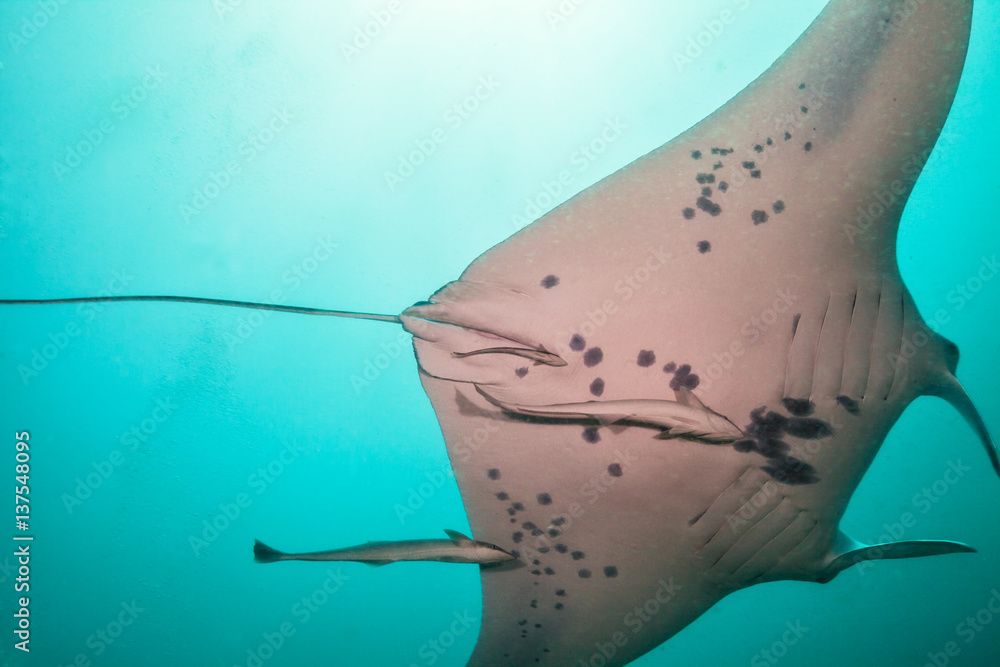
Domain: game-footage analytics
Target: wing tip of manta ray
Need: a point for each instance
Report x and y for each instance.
(950, 389)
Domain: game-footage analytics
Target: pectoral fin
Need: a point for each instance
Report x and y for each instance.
(848, 552)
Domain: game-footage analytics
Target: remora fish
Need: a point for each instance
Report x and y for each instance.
(458, 549)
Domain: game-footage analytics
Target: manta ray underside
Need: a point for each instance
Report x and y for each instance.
(743, 274)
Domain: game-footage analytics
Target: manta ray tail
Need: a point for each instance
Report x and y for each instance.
(951, 390)
(213, 302)
(265, 554)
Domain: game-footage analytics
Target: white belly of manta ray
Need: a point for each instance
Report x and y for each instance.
(711, 481)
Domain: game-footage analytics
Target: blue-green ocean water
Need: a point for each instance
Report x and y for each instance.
(238, 149)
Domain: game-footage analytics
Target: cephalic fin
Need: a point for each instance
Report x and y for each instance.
(848, 552)
(951, 390)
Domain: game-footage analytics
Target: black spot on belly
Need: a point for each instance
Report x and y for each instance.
(723, 186)
(670, 368)
(800, 407)
(615, 470)
(696, 155)
(684, 378)
(610, 571)
(578, 555)
(537, 573)
(518, 507)
(577, 343)
(755, 173)
(554, 532)
(597, 387)
(745, 446)
(788, 135)
(592, 357)
(560, 592)
(511, 511)
(558, 521)
(808, 428)
(778, 207)
(584, 574)
(549, 570)
(790, 470)
(708, 206)
(562, 548)
(808, 147)
(646, 358)
(759, 148)
(704, 246)
(534, 603)
(758, 217)
(548, 282)
(521, 372)
(503, 496)
(688, 213)
(706, 192)
(849, 404)
(517, 537)
(704, 179)
(544, 499)
(493, 473)
(804, 109)
(802, 86)
(591, 435)
(559, 605)
(749, 165)
(769, 141)
(543, 550)
(717, 165)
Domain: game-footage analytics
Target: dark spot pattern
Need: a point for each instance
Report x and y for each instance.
(549, 570)
(769, 142)
(849, 404)
(560, 592)
(755, 173)
(610, 571)
(808, 428)
(559, 605)
(521, 372)
(544, 499)
(723, 151)
(592, 357)
(688, 213)
(708, 206)
(704, 246)
(646, 358)
(723, 186)
(518, 507)
(745, 446)
(759, 217)
(704, 179)
(800, 407)
(591, 435)
(562, 548)
(597, 387)
(543, 550)
(503, 496)
(778, 207)
(717, 165)
(808, 147)
(615, 470)
(804, 109)
(749, 165)
(584, 574)
(517, 537)
(788, 135)
(683, 377)
(548, 282)
(578, 555)
(759, 148)
(802, 86)
(790, 470)
(670, 368)
(696, 155)
(493, 473)
(577, 343)
(765, 430)
(558, 521)
(706, 192)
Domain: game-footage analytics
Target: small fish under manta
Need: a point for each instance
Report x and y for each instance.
(760, 198)
(457, 549)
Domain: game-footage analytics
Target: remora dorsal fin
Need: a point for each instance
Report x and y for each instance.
(848, 552)
(951, 390)
(457, 537)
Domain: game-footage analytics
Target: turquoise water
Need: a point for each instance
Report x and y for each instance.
(239, 150)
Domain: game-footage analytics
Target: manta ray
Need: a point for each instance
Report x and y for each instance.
(668, 388)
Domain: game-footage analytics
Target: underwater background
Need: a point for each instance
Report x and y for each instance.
(264, 151)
